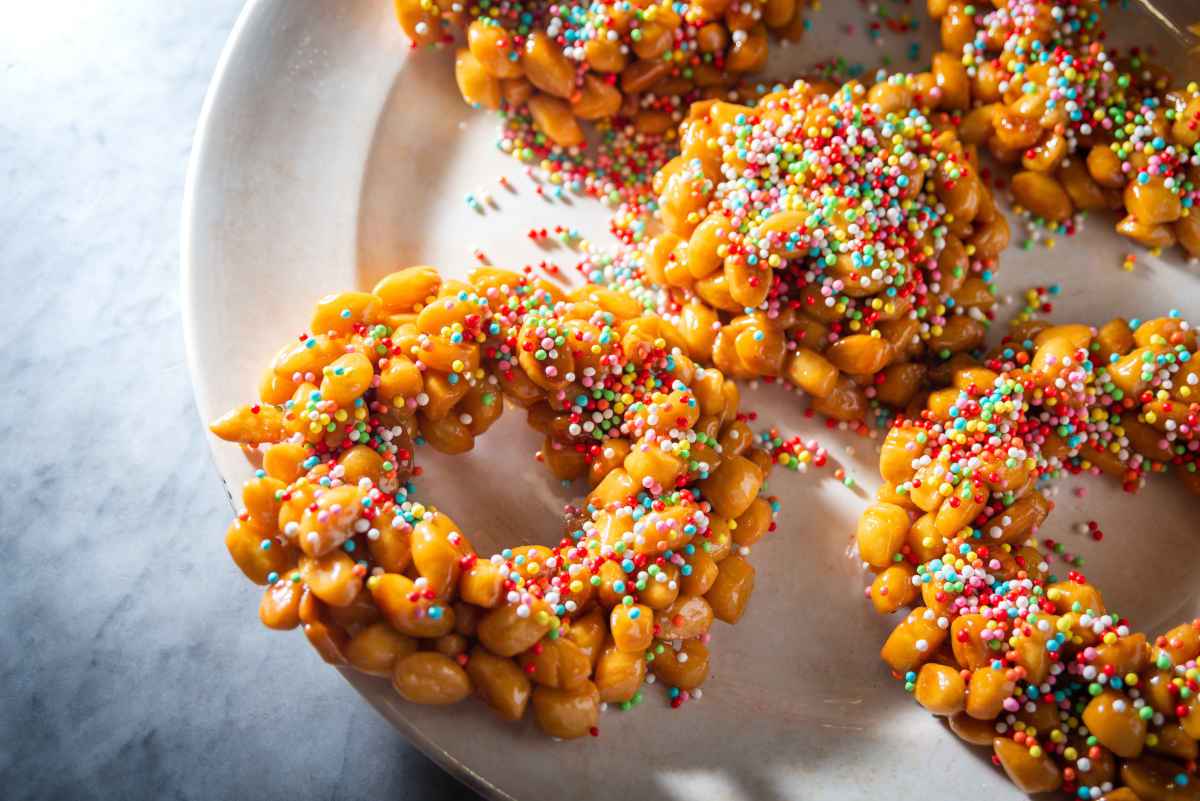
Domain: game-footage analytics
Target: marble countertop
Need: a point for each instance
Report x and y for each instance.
(129, 665)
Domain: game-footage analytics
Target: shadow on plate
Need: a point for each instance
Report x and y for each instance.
(392, 218)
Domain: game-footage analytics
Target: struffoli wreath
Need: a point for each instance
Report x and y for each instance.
(335, 528)
(1036, 666)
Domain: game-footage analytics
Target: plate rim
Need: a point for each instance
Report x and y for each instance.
(197, 159)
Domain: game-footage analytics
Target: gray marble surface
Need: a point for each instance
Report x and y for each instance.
(131, 665)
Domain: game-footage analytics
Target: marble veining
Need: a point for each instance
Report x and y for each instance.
(131, 663)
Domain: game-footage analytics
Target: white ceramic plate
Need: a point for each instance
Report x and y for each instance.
(329, 154)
